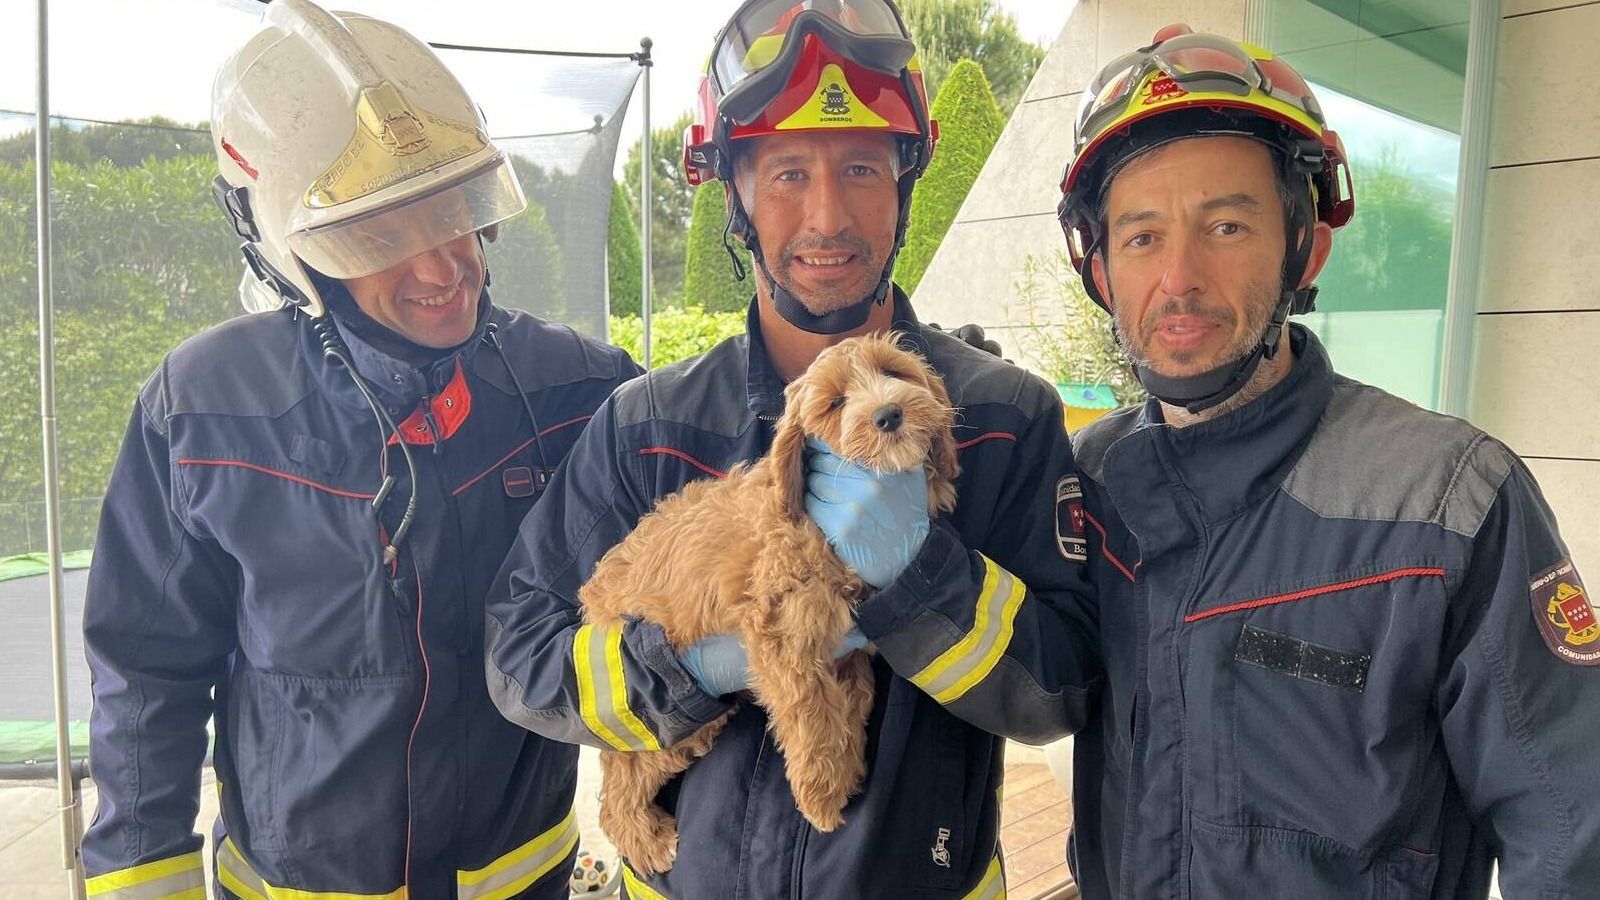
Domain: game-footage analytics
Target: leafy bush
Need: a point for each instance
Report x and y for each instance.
(707, 273)
(675, 333)
(969, 126)
(1084, 350)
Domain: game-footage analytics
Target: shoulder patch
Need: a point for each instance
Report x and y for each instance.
(1565, 616)
(1070, 520)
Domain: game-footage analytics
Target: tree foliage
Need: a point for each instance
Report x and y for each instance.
(1395, 254)
(671, 201)
(948, 31)
(970, 124)
(624, 258)
(708, 280)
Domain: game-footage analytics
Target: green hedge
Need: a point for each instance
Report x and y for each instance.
(707, 273)
(969, 125)
(675, 333)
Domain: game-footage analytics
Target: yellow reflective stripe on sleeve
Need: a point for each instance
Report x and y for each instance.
(636, 888)
(603, 691)
(174, 878)
(970, 660)
(237, 876)
(993, 885)
(514, 872)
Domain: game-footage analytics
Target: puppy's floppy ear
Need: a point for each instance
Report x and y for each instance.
(787, 456)
(942, 451)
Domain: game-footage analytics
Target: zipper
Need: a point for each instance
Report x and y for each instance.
(433, 424)
(796, 878)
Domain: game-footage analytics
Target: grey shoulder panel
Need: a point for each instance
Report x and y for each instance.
(974, 377)
(250, 365)
(1090, 443)
(1377, 457)
(707, 392)
(549, 354)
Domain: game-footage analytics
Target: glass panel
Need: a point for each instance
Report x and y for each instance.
(1389, 74)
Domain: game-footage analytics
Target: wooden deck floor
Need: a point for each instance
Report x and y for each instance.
(1034, 816)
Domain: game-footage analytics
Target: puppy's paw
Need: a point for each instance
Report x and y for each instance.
(652, 854)
(823, 808)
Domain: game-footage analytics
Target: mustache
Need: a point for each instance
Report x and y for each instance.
(1189, 306)
(844, 242)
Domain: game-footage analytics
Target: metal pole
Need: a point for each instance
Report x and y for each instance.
(66, 782)
(1472, 184)
(647, 164)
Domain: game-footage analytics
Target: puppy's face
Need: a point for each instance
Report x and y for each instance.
(873, 403)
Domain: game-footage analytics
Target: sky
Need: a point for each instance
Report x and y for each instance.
(121, 59)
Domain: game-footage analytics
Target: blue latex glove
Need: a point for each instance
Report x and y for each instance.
(875, 522)
(720, 666)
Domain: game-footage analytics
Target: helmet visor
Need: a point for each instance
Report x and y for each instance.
(374, 241)
(763, 41)
(1197, 62)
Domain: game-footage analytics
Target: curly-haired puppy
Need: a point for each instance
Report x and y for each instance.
(741, 556)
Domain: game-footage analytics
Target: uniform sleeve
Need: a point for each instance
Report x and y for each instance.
(1519, 698)
(616, 688)
(1003, 635)
(158, 628)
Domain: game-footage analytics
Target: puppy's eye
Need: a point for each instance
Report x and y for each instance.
(896, 375)
(835, 403)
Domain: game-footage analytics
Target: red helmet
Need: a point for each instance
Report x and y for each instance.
(809, 65)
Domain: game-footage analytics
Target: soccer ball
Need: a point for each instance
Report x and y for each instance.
(591, 876)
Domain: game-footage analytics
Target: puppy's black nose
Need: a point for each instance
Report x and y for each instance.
(888, 417)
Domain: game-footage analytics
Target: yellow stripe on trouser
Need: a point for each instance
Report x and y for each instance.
(991, 887)
(512, 873)
(237, 876)
(175, 878)
(970, 660)
(603, 691)
(505, 877)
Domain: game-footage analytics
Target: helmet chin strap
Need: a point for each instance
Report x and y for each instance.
(1206, 390)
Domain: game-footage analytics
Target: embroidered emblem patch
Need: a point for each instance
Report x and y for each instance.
(1070, 519)
(1566, 618)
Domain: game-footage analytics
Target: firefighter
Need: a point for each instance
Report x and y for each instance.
(311, 500)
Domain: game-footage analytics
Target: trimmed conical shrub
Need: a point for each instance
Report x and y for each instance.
(624, 257)
(969, 125)
(707, 273)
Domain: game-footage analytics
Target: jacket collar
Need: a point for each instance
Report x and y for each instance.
(763, 386)
(1233, 460)
(397, 382)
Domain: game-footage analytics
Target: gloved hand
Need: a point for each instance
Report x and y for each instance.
(875, 522)
(719, 664)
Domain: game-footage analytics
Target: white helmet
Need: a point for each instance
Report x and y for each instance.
(346, 146)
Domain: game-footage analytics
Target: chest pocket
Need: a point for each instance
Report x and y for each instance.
(1309, 707)
(315, 599)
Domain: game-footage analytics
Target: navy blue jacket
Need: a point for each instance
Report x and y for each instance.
(981, 615)
(1347, 658)
(239, 554)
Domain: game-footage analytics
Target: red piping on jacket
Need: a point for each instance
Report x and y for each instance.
(990, 436)
(238, 464)
(669, 451)
(1317, 591)
(1106, 551)
(519, 448)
